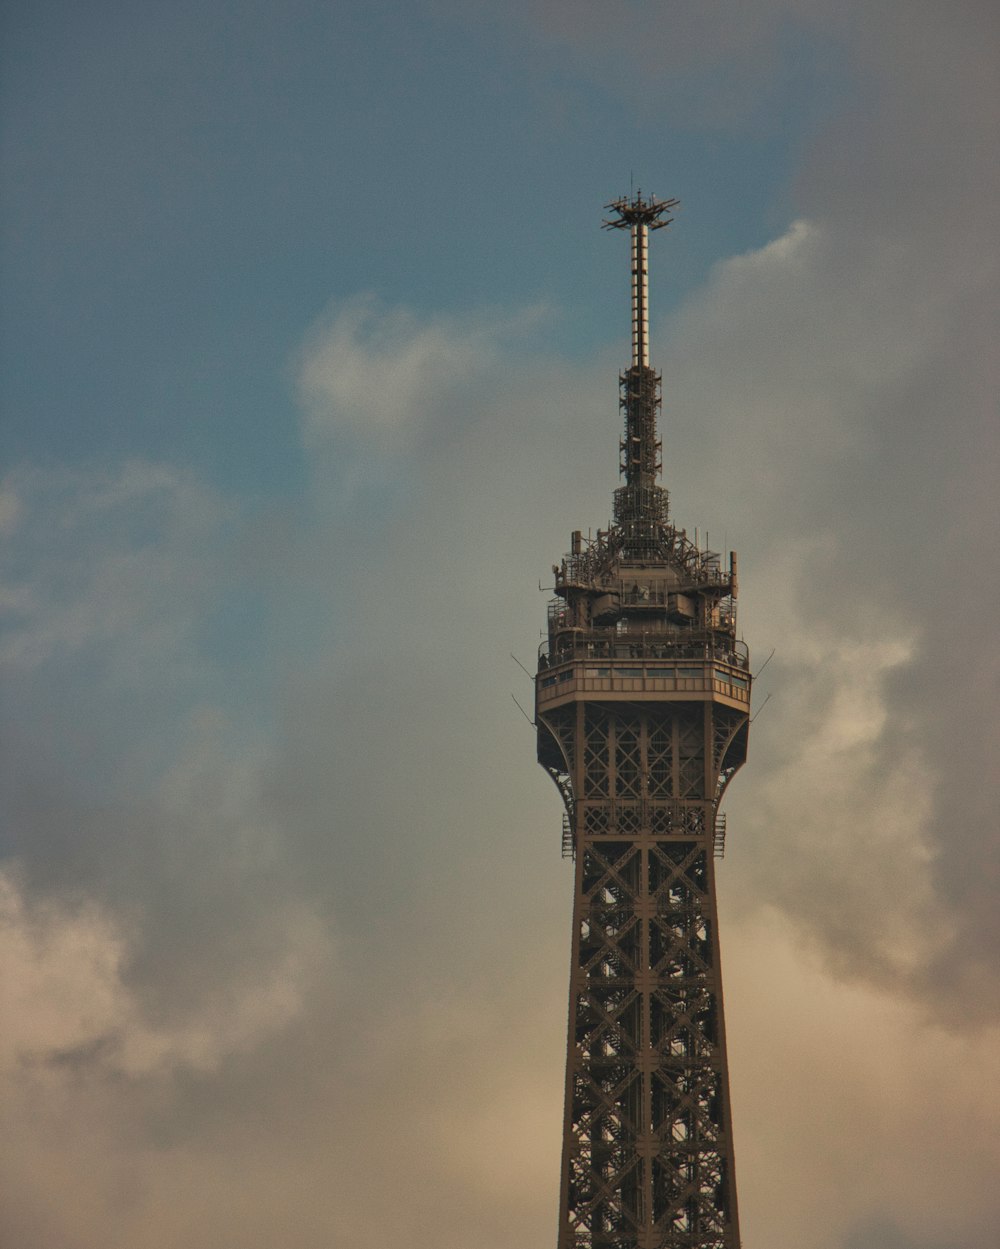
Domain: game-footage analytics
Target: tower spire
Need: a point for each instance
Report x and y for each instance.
(641, 504)
(639, 216)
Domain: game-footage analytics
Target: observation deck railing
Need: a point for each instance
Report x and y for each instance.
(616, 646)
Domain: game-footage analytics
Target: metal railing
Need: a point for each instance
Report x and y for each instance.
(613, 646)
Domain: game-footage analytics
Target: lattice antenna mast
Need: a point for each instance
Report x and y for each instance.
(641, 504)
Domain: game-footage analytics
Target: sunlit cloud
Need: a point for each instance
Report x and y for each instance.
(70, 1007)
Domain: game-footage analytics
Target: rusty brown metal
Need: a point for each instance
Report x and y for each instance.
(642, 708)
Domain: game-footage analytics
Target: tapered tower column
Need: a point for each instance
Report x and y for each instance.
(642, 706)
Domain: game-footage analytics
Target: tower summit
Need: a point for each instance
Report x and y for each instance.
(640, 216)
(640, 505)
(642, 706)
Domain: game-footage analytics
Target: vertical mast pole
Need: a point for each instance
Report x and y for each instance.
(640, 294)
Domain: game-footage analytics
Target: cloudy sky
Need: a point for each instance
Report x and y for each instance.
(310, 353)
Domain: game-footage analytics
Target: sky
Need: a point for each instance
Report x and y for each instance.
(310, 343)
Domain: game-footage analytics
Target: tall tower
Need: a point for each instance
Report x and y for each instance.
(642, 707)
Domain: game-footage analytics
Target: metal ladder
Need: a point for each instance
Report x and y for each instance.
(568, 845)
(720, 834)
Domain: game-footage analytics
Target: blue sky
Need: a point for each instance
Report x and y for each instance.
(192, 187)
(310, 351)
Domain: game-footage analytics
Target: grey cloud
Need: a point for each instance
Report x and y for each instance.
(298, 936)
(885, 1233)
(843, 386)
(397, 812)
(819, 426)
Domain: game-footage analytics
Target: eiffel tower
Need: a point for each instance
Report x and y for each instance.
(642, 708)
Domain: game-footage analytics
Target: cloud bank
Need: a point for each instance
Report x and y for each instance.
(304, 982)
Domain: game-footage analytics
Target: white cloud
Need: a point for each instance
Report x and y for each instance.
(387, 377)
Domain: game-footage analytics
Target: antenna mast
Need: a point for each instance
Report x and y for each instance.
(640, 505)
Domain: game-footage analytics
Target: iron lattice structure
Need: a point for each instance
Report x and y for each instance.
(642, 708)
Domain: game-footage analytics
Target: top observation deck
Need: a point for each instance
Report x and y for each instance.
(644, 680)
(642, 612)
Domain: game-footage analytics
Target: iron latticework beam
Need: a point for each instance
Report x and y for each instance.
(642, 708)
